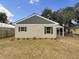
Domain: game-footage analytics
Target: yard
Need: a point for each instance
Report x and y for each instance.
(63, 48)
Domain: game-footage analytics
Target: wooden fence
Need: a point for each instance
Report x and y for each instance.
(6, 32)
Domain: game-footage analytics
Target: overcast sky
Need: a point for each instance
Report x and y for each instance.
(22, 8)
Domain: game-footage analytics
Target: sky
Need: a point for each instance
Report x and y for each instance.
(23, 8)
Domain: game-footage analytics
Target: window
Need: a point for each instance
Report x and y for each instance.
(20, 29)
(48, 30)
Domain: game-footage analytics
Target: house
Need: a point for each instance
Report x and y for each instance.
(36, 26)
(75, 30)
(75, 27)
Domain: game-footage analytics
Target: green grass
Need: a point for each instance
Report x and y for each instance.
(64, 48)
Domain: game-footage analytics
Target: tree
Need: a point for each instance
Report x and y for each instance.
(76, 8)
(67, 15)
(46, 13)
(3, 17)
(56, 17)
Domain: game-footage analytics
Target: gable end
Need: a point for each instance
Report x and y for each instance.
(36, 19)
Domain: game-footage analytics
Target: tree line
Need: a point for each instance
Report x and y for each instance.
(64, 15)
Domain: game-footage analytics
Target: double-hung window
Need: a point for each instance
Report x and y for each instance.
(22, 29)
(48, 30)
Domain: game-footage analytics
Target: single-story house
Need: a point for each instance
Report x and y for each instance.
(36, 26)
(75, 30)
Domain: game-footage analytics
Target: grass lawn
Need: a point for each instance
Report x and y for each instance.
(63, 48)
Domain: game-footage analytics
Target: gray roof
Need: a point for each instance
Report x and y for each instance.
(35, 19)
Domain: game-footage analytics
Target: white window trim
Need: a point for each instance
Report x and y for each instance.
(46, 30)
(20, 29)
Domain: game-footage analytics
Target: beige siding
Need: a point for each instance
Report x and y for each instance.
(75, 31)
(34, 30)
